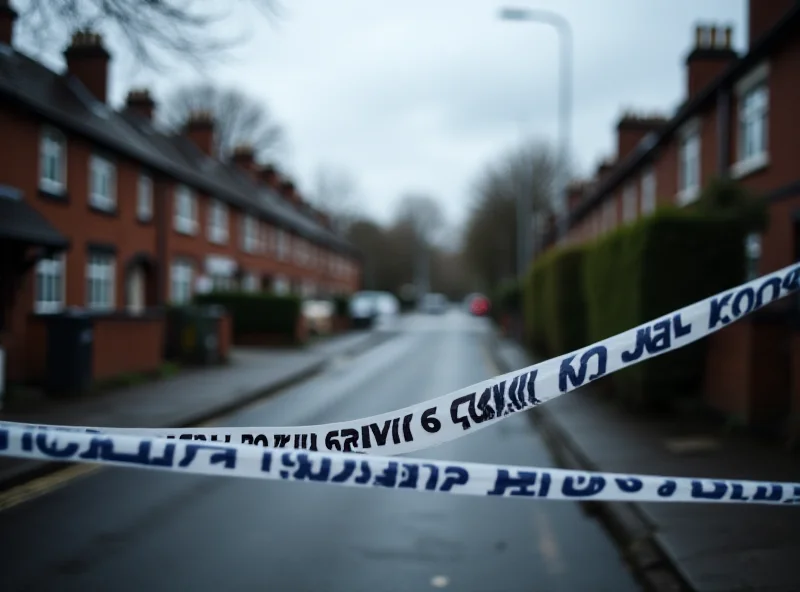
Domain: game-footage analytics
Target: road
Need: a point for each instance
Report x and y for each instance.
(124, 529)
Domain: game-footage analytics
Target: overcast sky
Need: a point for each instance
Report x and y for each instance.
(418, 95)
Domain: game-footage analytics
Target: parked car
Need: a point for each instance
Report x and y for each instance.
(434, 304)
(372, 308)
(477, 304)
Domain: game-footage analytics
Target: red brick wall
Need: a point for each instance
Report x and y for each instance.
(139, 351)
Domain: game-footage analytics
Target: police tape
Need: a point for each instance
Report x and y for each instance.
(459, 413)
(357, 470)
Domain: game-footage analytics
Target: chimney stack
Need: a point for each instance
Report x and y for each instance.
(632, 128)
(199, 129)
(87, 60)
(289, 192)
(712, 53)
(7, 18)
(244, 158)
(269, 175)
(140, 102)
(603, 169)
(575, 192)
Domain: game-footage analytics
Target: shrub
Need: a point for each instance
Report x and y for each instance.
(341, 306)
(257, 313)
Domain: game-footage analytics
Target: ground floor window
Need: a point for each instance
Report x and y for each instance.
(50, 285)
(281, 286)
(181, 282)
(250, 283)
(222, 283)
(100, 281)
(753, 255)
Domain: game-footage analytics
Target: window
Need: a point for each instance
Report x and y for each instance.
(185, 210)
(281, 285)
(648, 197)
(53, 161)
(249, 236)
(181, 282)
(100, 281)
(49, 291)
(753, 255)
(609, 214)
(283, 244)
(629, 203)
(222, 282)
(102, 184)
(689, 165)
(753, 108)
(218, 222)
(144, 198)
(250, 283)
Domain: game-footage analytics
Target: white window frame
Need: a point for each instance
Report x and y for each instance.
(181, 284)
(609, 214)
(101, 281)
(249, 233)
(185, 214)
(144, 198)
(218, 222)
(51, 276)
(757, 80)
(250, 283)
(102, 183)
(281, 285)
(629, 202)
(647, 196)
(53, 144)
(283, 246)
(690, 157)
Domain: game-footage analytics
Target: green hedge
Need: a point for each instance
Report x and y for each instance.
(649, 269)
(341, 306)
(553, 302)
(257, 313)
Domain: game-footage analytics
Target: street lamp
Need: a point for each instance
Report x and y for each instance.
(564, 110)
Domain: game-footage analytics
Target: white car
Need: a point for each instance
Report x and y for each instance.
(373, 308)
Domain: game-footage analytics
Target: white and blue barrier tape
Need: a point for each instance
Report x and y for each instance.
(357, 470)
(475, 407)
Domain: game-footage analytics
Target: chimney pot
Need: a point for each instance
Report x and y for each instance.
(140, 101)
(269, 174)
(244, 158)
(8, 16)
(87, 60)
(728, 36)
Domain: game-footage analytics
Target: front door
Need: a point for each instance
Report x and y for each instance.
(136, 290)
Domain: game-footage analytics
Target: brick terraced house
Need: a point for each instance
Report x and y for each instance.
(99, 210)
(740, 119)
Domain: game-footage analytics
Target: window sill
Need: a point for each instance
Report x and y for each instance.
(61, 196)
(185, 231)
(687, 196)
(144, 219)
(747, 167)
(98, 209)
(218, 241)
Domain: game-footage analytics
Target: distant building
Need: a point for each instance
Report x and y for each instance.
(101, 211)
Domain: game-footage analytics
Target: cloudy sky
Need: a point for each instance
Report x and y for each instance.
(418, 95)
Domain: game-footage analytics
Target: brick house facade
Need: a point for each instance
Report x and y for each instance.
(122, 219)
(738, 120)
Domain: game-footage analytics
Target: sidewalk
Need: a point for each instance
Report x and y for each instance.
(189, 398)
(715, 548)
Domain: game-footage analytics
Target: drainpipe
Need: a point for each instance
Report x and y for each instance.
(724, 132)
(162, 228)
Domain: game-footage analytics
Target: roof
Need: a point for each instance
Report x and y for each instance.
(63, 101)
(647, 147)
(21, 223)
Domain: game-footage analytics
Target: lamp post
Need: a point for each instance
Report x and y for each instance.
(564, 113)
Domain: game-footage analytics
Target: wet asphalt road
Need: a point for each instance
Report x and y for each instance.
(124, 529)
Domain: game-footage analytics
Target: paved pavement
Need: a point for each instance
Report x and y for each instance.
(715, 548)
(123, 529)
(188, 398)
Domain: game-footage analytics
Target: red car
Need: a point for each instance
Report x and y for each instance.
(478, 305)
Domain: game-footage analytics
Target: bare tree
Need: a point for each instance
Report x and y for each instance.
(238, 118)
(336, 194)
(425, 216)
(526, 172)
(151, 29)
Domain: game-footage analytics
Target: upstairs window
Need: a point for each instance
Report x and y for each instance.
(102, 184)
(53, 161)
(185, 218)
(283, 244)
(629, 203)
(144, 198)
(648, 192)
(689, 165)
(249, 233)
(753, 111)
(218, 222)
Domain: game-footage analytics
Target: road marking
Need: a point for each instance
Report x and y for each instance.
(548, 546)
(46, 484)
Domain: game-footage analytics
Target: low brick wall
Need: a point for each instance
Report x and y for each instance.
(127, 344)
(225, 336)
